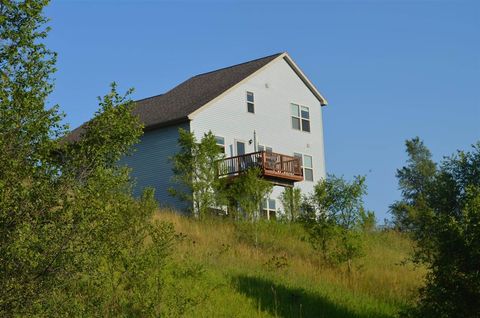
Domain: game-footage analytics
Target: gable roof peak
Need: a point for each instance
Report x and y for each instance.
(188, 97)
(269, 57)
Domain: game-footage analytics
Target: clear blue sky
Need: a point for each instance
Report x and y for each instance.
(391, 70)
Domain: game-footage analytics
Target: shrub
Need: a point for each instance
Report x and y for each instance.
(291, 199)
(195, 172)
(332, 216)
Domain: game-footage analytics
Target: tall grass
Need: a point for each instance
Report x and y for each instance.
(268, 269)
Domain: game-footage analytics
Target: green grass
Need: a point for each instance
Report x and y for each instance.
(226, 269)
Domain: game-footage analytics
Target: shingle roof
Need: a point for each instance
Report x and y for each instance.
(176, 104)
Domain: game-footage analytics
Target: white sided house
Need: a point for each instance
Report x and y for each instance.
(264, 113)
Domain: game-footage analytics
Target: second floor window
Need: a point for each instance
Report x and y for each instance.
(300, 117)
(250, 103)
(306, 162)
(308, 167)
(220, 143)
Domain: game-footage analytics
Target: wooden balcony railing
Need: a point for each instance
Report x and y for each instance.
(271, 164)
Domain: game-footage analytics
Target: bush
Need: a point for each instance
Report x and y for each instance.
(332, 218)
(291, 199)
(195, 172)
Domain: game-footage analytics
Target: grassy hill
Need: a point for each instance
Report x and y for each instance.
(226, 269)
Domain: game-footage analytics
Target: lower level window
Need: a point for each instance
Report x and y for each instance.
(269, 209)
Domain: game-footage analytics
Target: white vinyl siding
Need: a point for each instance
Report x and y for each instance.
(227, 116)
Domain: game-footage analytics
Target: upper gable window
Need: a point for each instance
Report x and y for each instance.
(300, 117)
(250, 103)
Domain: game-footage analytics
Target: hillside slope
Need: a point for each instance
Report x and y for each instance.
(226, 269)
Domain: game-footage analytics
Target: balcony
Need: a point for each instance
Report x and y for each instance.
(280, 169)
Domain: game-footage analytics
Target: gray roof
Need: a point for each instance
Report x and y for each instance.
(175, 105)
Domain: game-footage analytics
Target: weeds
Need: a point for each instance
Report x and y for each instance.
(227, 273)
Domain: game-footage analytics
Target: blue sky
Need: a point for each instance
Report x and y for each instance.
(391, 70)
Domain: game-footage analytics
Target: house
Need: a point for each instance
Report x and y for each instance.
(264, 111)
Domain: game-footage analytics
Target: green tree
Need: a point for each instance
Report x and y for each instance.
(332, 217)
(26, 128)
(291, 199)
(247, 192)
(447, 232)
(367, 220)
(414, 181)
(69, 228)
(195, 172)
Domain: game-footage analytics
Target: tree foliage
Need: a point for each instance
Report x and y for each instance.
(446, 228)
(332, 215)
(291, 199)
(247, 192)
(73, 241)
(367, 220)
(414, 181)
(195, 171)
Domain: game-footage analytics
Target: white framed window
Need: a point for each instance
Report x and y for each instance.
(300, 117)
(269, 209)
(265, 148)
(240, 147)
(306, 162)
(308, 167)
(220, 143)
(250, 103)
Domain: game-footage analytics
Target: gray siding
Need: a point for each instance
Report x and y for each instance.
(151, 166)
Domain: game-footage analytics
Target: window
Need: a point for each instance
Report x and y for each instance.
(265, 148)
(269, 209)
(307, 165)
(250, 103)
(299, 156)
(220, 143)
(240, 148)
(300, 117)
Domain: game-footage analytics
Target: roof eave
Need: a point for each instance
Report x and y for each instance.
(304, 78)
(194, 113)
(167, 123)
